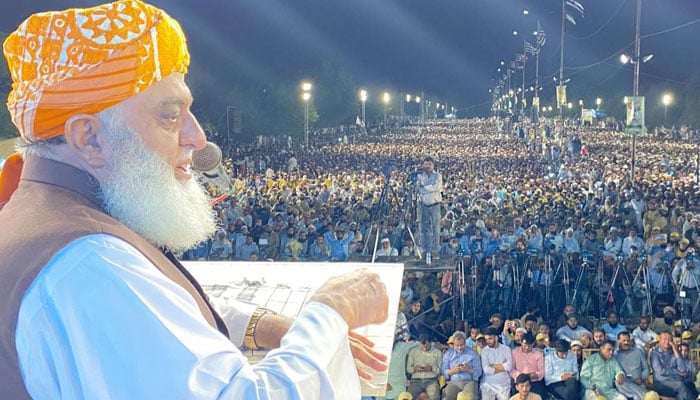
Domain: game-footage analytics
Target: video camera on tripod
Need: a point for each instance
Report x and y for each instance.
(387, 168)
(588, 258)
(412, 177)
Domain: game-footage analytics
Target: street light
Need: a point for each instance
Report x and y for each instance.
(306, 96)
(386, 98)
(408, 98)
(363, 100)
(598, 102)
(666, 99)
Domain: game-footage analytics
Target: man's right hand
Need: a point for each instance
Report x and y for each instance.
(359, 297)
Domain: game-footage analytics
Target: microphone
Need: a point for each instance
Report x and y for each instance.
(207, 161)
(207, 158)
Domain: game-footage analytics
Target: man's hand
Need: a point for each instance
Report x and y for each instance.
(620, 379)
(364, 354)
(272, 327)
(359, 297)
(533, 376)
(638, 381)
(566, 376)
(466, 368)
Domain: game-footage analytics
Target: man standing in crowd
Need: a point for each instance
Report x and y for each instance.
(95, 305)
(429, 186)
(423, 366)
(461, 367)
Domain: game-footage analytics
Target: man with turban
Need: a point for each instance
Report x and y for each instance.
(97, 200)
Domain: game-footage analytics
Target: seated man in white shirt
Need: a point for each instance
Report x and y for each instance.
(644, 336)
(496, 362)
(386, 249)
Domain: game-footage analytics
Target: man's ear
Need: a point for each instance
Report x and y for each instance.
(82, 133)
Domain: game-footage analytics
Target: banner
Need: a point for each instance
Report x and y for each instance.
(635, 115)
(561, 96)
(536, 102)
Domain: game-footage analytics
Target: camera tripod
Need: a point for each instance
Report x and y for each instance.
(639, 289)
(384, 209)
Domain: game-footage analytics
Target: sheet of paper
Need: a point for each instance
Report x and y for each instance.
(286, 287)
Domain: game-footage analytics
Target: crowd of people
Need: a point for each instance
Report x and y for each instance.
(532, 221)
(523, 359)
(520, 210)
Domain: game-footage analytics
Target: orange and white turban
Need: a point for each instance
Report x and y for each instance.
(75, 61)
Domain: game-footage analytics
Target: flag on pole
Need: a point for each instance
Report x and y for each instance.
(359, 122)
(520, 58)
(541, 36)
(574, 5)
(530, 49)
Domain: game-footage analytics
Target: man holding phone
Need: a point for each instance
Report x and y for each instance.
(461, 367)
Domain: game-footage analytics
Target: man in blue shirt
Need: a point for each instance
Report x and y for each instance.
(612, 328)
(339, 242)
(461, 367)
(561, 372)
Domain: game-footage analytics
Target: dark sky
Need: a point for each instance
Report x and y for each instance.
(448, 48)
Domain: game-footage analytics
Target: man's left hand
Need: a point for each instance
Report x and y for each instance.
(365, 355)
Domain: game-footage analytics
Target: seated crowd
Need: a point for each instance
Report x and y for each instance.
(523, 359)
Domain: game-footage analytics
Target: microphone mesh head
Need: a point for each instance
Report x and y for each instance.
(207, 158)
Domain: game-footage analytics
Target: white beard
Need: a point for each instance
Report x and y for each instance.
(143, 194)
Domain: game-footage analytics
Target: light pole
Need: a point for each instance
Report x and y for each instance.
(228, 129)
(420, 110)
(666, 99)
(386, 98)
(306, 96)
(637, 60)
(363, 100)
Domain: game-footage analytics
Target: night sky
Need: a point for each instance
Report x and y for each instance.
(447, 48)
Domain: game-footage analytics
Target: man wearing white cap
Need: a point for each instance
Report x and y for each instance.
(386, 250)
